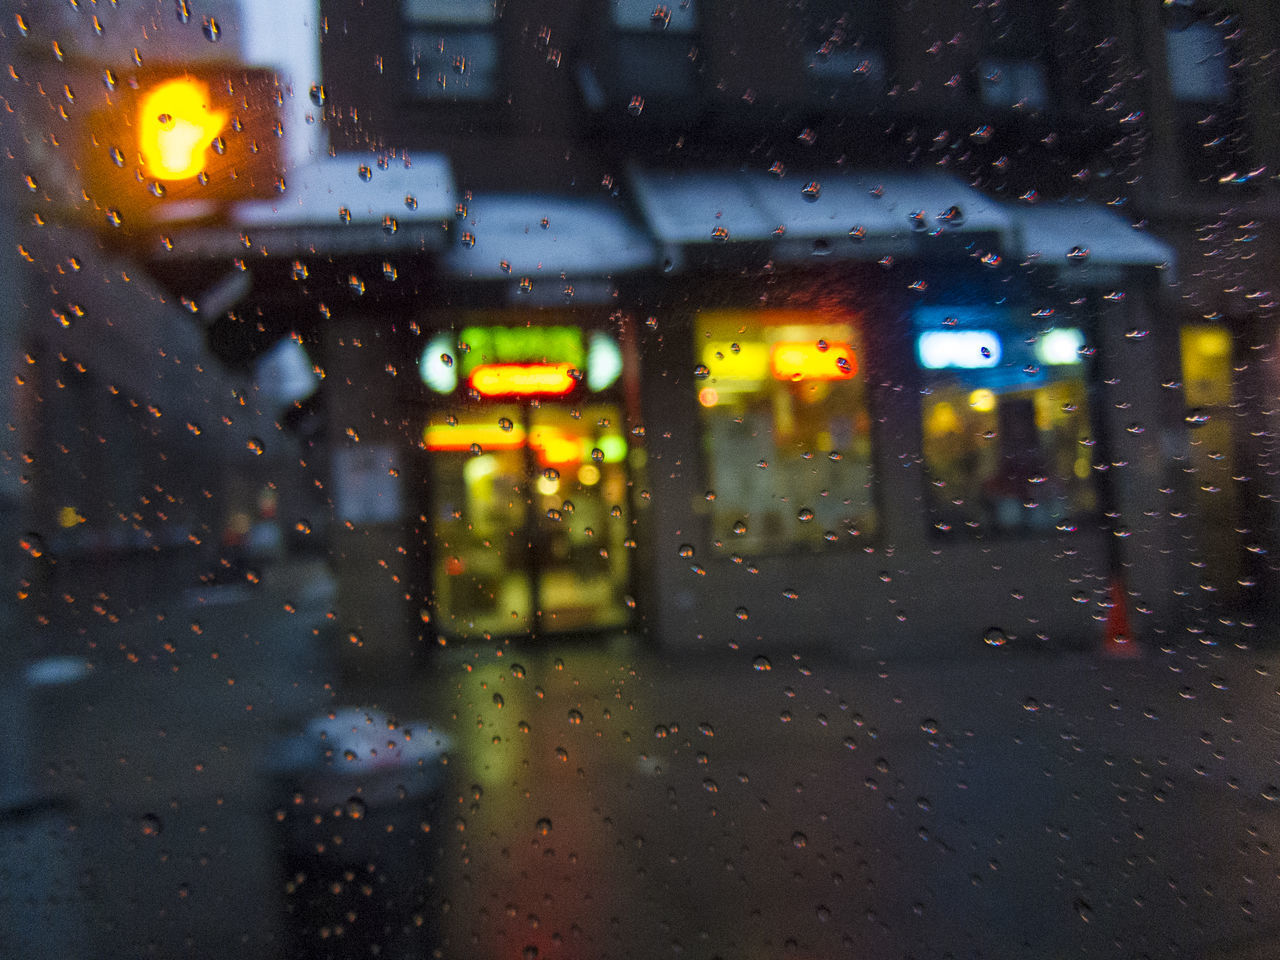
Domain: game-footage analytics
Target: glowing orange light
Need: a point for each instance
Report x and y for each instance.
(522, 379)
(488, 436)
(806, 360)
(708, 396)
(176, 127)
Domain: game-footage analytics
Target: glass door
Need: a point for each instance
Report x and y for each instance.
(532, 523)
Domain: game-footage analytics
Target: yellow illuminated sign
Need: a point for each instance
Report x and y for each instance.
(522, 379)
(746, 361)
(488, 436)
(176, 128)
(813, 360)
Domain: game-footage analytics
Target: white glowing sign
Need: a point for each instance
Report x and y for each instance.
(966, 349)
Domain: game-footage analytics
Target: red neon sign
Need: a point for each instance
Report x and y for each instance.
(522, 379)
(807, 360)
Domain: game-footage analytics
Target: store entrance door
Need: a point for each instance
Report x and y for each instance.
(532, 523)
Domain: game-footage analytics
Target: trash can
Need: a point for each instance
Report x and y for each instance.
(358, 839)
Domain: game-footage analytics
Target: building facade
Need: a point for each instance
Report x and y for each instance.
(886, 331)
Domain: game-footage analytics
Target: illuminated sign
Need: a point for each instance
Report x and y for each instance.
(745, 362)
(520, 361)
(181, 144)
(812, 360)
(485, 436)
(552, 445)
(965, 349)
(521, 345)
(522, 379)
(177, 128)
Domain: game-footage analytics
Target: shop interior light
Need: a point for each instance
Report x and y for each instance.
(613, 447)
(963, 349)
(983, 400)
(177, 127)
(1060, 346)
(437, 366)
(522, 379)
(604, 362)
(813, 360)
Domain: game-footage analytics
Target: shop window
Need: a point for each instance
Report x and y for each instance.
(786, 430)
(452, 49)
(1005, 425)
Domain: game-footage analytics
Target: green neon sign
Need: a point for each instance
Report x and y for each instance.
(521, 345)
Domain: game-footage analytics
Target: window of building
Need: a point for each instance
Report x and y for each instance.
(1201, 53)
(1013, 72)
(451, 49)
(1006, 433)
(651, 58)
(786, 428)
(846, 49)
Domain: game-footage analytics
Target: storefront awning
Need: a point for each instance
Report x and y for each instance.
(850, 215)
(346, 204)
(536, 236)
(1075, 234)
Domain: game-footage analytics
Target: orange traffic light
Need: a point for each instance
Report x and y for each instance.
(183, 144)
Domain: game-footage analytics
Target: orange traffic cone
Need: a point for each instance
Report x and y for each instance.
(1118, 642)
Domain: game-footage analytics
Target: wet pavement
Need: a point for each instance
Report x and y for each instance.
(608, 801)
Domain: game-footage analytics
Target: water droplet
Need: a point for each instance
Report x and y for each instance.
(390, 225)
(551, 473)
(498, 701)
(1078, 254)
(741, 613)
(805, 515)
(344, 215)
(811, 191)
(686, 551)
(636, 106)
(720, 234)
(150, 825)
(356, 285)
(799, 840)
(740, 528)
(410, 201)
(701, 372)
(995, 637)
(761, 664)
(212, 31)
(318, 94)
(183, 11)
(446, 359)
(355, 808)
(476, 450)
(255, 446)
(505, 424)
